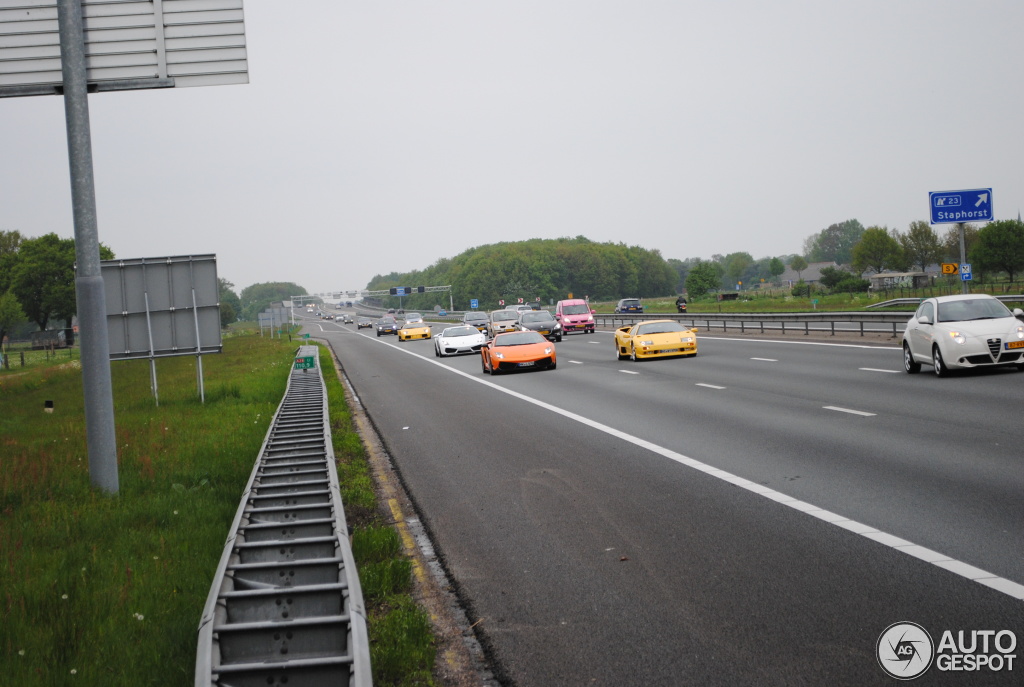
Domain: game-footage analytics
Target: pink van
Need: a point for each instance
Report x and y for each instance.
(575, 315)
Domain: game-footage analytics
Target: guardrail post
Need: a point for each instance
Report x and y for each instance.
(862, 329)
(783, 326)
(807, 328)
(833, 328)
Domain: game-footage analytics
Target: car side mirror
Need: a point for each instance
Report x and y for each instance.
(593, 312)
(1018, 313)
(694, 330)
(924, 319)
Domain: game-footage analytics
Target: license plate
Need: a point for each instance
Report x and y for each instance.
(527, 364)
(1014, 344)
(671, 350)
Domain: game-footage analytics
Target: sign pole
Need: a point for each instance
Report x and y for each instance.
(963, 255)
(89, 292)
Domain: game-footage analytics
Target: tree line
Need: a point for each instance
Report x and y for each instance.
(37, 274)
(539, 269)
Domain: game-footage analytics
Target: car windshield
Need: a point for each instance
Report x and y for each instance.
(475, 317)
(413, 317)
(519, 339)
(461, 331)
(629, 304)
(538, 316)
(972, 309)
(499, 315)
(575, 310)
(660, 328)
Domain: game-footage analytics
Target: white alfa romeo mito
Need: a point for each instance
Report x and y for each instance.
(965, 331)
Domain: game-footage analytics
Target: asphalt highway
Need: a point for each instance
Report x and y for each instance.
(757, 515)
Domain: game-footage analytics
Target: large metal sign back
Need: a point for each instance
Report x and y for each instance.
(128, 45)
(159, 307)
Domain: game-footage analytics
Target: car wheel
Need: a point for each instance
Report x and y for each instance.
(938, 363)
(618, 352)
(483, 366)
(437, 352)
(909, 364)
(378, 335)
(552, 366)
(558, 339)
(632, 353)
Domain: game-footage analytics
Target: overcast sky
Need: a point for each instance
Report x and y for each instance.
(382, 136)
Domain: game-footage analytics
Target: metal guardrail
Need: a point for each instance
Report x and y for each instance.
(823, 322)
(286, 607)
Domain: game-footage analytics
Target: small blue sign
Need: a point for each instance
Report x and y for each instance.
(951, 207)
(965, 271)
(474, 303)
(400, 291)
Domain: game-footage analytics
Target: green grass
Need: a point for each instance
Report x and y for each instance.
(106, 591)
(780, 300)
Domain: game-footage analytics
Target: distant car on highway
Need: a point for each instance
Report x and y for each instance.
(499, 321)
(475, 319)
(963, 331)
(414, 330)
(413, 317)
(458, 340)
(629, 305)
(348, 318)
(364, 322)
(540, 321)
(655, 339)
(517, 350)
(575, 315)
(387, 325)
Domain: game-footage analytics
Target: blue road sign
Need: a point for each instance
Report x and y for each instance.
(950, 207)
(965, 271)
(474, 303)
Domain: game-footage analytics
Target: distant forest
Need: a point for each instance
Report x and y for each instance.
(544, 269)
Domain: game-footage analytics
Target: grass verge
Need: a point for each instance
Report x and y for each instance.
(108, 591)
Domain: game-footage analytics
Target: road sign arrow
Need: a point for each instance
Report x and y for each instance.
(982, 198)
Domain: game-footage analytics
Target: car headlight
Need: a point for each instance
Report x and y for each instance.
(499, 356)
(958, 337)
(558, 325)
(589, 318)
(1019, 331)
(687, 339)
(649, 342)
(547, 350)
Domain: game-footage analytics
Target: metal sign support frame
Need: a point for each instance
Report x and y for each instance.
(91, 299)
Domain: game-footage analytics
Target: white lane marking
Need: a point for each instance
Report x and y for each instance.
(710, 386)
(878, 369)
(766, 360)
(804, 343)
(848, 410)
(576, 362)
(965, 570)
(595, 342)
(629, 372)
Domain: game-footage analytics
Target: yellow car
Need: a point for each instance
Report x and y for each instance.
(655, 339)
(414, 330)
